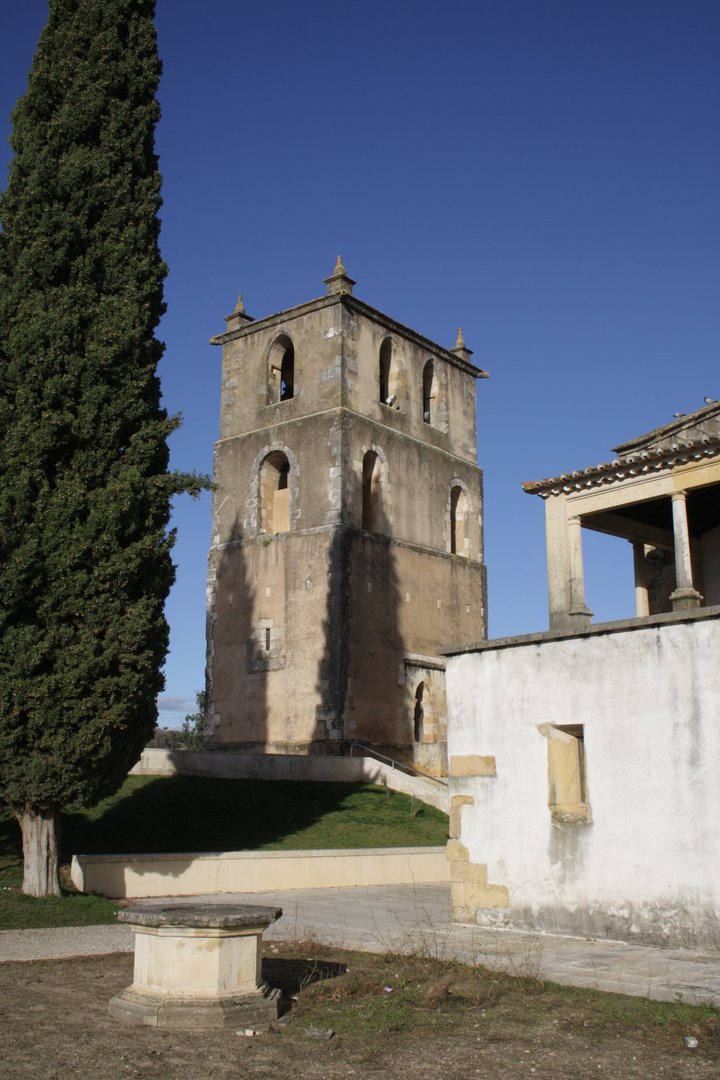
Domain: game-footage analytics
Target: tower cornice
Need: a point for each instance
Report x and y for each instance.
(353, 304)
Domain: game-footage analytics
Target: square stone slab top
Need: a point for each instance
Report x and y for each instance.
(201, 916)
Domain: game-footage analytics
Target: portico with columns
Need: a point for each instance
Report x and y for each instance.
(662, 494)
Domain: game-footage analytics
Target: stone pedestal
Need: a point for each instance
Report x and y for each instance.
(198, 966)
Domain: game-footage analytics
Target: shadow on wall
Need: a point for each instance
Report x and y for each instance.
(360, 678)
(332, 681)
(242, 648)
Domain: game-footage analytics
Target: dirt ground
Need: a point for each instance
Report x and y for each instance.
(391, 1018)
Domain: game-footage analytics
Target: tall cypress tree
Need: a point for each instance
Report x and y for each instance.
(84, 484)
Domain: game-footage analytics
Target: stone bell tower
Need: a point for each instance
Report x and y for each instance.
(347, 531)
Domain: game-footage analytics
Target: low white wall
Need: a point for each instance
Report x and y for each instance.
(648, 865)
(126, 876)
(330, 769)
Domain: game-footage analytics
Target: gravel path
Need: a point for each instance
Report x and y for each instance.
(63, 941)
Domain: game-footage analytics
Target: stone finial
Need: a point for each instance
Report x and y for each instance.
(460, 348)
(339, 282)
(238, 317)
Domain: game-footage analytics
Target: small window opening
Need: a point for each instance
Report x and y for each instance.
(429, 392)
(419, 714)
(371, 493)
(267, 639)
(568, 797)
(385, 361)
(458, 521)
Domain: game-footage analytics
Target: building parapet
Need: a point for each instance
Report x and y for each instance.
(669, 618)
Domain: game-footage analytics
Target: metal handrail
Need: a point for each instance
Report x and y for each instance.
(396, 764)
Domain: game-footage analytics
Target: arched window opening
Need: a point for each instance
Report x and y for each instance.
(388, 376)
(429, 392)
(458, 522)
(371, 494)
(282, 369)
(275, 493)
(385, 362)
(287, 374)
(419, 714)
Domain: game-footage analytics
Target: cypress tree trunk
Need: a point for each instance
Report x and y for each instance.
(41, 834)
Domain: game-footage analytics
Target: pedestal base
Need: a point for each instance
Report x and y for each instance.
(198, 966)
(685, 599)
(257, 1011)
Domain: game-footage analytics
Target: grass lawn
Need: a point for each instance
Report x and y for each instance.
(188, 813)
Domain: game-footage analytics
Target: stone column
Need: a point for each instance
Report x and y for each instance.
(557, 562)
(566, 589)
(685, 597)
(581, 615)
(642, 595)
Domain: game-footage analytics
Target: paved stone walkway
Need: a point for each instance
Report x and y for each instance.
(417, 920)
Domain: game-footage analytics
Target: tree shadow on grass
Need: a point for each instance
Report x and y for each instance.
(195, 814)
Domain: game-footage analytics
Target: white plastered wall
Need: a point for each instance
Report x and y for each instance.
(647, 867)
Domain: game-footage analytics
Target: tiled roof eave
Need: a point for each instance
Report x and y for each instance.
(645, 462)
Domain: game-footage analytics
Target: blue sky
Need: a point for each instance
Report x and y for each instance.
(543, 173)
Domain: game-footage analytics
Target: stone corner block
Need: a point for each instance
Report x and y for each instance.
(468, 873)
(472, 765)
(457, 852)
(456, 804)
(476, 896)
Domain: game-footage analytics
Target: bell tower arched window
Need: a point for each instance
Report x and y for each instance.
(429, 392)
(281, 369)
(388, 375)
(385, 361)
(275, 493)
(458, 522)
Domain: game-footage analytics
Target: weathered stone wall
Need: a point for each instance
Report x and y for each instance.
(452, 425)
(309, 632)
(416, 482)
(630, 849)
(405, 601)
(321, 585)
(265, 693)
(246, 393)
